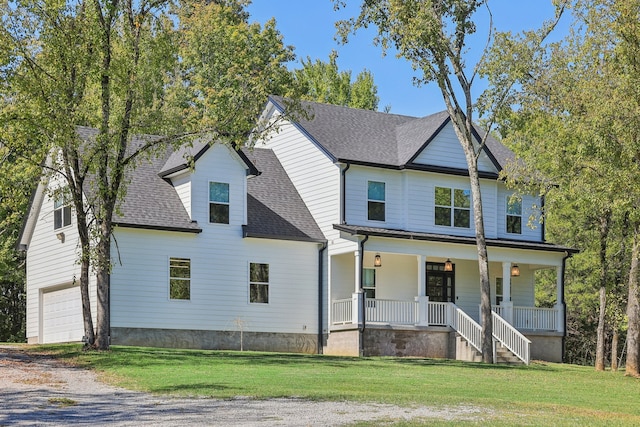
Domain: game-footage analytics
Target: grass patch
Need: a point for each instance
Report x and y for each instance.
(543, 393)
(62, 402)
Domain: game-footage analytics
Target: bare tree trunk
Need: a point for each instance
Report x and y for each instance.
(103, 291)
(483, 269)
(633, 309)
(604, 232)
(614, 349)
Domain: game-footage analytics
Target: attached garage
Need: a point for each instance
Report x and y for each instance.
(62, 315)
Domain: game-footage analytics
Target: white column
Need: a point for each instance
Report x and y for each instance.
(358, 295)
(422, 300)
(507, 304)
(422, 281)
(559, 306)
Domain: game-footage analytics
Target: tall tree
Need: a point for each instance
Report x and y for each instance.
(576, 121)
(322, 82)
(114, 65)
(433, 35)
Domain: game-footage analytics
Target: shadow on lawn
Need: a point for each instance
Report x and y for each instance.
(147, 357)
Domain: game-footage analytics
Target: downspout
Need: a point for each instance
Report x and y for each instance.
(343, 195)
(321, 296)
(362, 327)
(563, 303)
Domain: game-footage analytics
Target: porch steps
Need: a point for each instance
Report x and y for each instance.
(466, 352)
(505, 356)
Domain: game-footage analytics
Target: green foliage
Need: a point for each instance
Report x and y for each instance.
(323, 82)
(17, 179)
(575, 121)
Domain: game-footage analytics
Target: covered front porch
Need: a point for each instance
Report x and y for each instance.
(404, 286)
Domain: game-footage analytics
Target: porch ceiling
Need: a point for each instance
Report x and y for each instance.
(413, 235)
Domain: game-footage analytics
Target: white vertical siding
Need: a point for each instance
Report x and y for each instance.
(51, 263)
(182, 184)
(356, 191)
(445, 150)
(531, 225)
(219, 164)
(219, 283)
(316, 178)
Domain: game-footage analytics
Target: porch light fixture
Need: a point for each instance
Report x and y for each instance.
(377, 261)
(448, 265)
(60, 236)
(515, 270)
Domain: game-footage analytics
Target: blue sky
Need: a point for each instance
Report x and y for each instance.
(308, 25)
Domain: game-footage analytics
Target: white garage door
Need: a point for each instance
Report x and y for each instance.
(62, 316)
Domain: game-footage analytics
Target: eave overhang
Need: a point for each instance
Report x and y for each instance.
(445, 238)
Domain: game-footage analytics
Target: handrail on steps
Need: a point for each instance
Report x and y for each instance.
(503, 332)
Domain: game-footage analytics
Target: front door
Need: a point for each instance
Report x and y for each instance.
(440, 283)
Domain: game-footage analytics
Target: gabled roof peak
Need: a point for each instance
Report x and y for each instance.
(377, 138)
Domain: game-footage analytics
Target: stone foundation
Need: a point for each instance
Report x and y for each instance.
(393, 341)
(215, 340)
(545, 346)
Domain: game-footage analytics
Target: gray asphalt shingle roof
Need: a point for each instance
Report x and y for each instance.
(351, 134)
(274, 207)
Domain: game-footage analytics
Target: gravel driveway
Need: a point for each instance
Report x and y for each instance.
(37, 390)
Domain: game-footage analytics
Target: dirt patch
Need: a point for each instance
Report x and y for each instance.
(38, 390)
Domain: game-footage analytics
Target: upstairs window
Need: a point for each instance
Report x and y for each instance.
(219, 202)
(514, 215)
(180, 278)
(258, 283)
(376, 201)
(61, 212)
(452, 207)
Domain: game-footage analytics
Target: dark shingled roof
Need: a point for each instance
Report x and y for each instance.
(275, 209)
(152, 202)
(350, 134)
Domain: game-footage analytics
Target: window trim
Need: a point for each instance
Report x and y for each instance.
(383, 201)
(366, 288)
(64, 209)
(267, 283)
(452, 207)
(172, 258)
(507, 214)
(215, 202)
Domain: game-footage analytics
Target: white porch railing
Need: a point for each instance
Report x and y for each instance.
(468, 328)
(391, 311)
(442, 314)
(519, 345)
(341, 312)
(532, 318)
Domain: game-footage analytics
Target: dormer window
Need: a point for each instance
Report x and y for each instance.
(375, 201)
(452, 207)
(514, 215)
(61, 212)
(219, 202)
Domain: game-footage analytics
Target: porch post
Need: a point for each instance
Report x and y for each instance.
(559, 307)
(422, 299)
(356, 297)
(506, 303)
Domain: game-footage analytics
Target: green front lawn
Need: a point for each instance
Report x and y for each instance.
(543, 393)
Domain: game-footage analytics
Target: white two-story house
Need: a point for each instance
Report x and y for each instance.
(348, 232)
